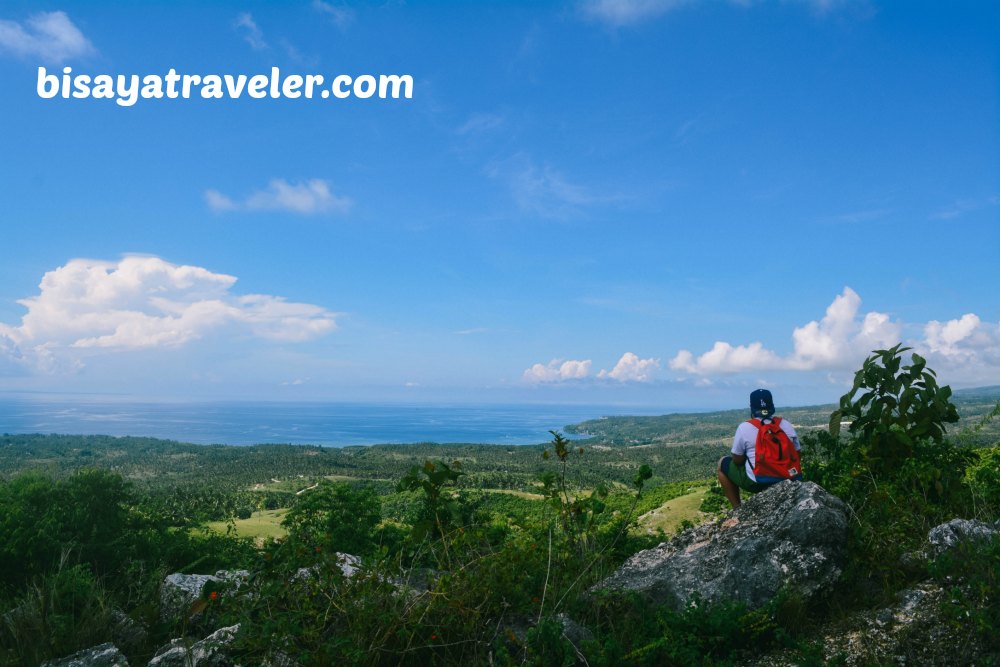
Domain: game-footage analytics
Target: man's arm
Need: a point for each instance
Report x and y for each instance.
(739, 459)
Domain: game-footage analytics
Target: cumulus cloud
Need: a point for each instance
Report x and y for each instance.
(309, 198)
(726, 358)
(838, 341)
(558, 370)
(50, 36)
(630, 368)
(145, 302)
(966, 349)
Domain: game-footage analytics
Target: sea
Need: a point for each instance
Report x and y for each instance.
(329, 424)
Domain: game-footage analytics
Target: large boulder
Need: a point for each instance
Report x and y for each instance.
(793, 534)
(105, 655)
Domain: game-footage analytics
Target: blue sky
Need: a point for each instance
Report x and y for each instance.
(645, 202)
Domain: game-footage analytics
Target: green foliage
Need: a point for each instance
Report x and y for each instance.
(898, 407)
(577, 513)
(630, 631)
(970, 573)
(57, 614)
(42, 521)
(335, 517)
(714, 501)
(441, 508)
(983, 479)
(896, 468)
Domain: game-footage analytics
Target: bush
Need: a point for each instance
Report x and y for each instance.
(896, 468)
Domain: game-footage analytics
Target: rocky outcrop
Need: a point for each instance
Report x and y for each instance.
(209, 652)
(105, 655)
(793, 534)
(180, 591)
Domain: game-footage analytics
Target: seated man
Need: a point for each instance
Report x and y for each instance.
(765, 451)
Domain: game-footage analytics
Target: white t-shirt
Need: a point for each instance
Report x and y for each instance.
(745, 442)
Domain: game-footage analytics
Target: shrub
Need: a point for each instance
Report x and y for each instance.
(896, 468)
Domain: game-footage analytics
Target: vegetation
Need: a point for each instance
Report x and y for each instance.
(477, 554)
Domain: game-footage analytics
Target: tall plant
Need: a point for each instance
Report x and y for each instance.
(892, 407)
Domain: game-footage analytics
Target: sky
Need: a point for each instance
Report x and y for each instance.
(629, 202)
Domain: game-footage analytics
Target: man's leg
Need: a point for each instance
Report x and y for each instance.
(728, 487)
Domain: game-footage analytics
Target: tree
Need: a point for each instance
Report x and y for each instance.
(335, 517)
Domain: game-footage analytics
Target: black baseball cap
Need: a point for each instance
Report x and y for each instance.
(761, 404)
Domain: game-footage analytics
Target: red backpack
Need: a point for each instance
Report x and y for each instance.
(776, 458)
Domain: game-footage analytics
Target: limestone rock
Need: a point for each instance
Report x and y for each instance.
(209, 652)
(793, 534)
(948, 535)
(179, 591)
(105, 655)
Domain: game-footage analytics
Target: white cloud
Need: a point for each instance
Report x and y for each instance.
(481, 122)
(219, 202)
(963, 207)
(340, 15)
(145, 302)
(619, 13)
(839, 341)
(959, 338)
(543, 190)
(630, 368)
(308, 198)
(558, 370)
(50, 36)
(725, 358)
(253, 35)
(964, 350)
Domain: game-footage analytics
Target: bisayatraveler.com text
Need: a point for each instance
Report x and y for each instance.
(127, 89)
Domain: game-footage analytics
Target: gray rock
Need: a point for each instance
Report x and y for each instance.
(793, 534)
(126, 631)
(209, 652)
(105, 655)
(912, 631)
(180, 591)
(948, 535)
(348, 563)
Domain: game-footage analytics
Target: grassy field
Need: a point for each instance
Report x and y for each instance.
(261, 525)
(669, 516)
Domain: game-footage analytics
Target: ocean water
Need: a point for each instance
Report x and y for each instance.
(330, 424)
